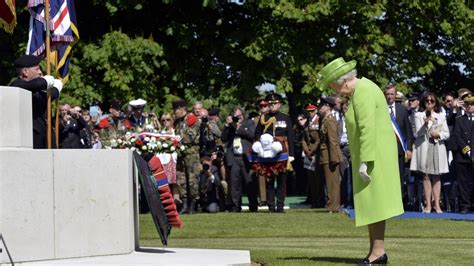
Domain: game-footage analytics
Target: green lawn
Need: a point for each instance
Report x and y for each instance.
(309, 237)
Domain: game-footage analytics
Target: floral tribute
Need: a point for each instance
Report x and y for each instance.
(269, 170)
(149, 142)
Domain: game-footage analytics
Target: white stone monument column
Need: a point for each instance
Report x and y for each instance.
(16, 126)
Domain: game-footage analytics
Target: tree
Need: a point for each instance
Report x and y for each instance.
(219, 52)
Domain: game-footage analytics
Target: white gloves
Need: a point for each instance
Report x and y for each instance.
(213, 178)
(58, 84)
(49, 80)
(291, 158)
(363, 173)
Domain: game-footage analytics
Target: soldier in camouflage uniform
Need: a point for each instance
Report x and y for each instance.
(113, 126)
(188, 165)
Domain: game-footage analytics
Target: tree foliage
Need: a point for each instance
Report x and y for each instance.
(219, 52)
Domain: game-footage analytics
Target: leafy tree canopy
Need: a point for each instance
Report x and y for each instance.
(219, 52)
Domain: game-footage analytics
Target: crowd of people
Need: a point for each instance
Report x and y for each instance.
(222, 161)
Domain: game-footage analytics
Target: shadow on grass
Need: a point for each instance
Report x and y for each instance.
(326, 259)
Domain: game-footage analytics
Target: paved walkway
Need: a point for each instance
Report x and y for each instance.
(161, 256)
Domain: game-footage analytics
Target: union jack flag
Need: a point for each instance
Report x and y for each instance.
(63, 32)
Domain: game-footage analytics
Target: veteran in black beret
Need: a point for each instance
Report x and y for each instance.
(464, 154)
(278, 125)
(30, 77)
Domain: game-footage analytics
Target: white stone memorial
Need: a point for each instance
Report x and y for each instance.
(73, 206)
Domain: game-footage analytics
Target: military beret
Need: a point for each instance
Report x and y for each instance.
(27, 61)
(179, 103)
(137, 104)
(213, 112)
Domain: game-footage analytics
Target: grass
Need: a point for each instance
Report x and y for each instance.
(309, 237)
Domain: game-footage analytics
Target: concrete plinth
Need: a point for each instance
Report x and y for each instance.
(157, 256)
(16, 127)
(66, 203)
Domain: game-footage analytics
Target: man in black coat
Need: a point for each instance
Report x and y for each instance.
(238, 135)
(464, 154)
(278, 125)
(31, 78)
(401, 115)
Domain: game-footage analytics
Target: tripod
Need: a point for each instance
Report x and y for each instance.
(6, 248)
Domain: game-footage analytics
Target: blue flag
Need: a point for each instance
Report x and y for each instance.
(63, 32)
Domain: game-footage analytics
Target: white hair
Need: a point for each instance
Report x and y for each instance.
(348, 76)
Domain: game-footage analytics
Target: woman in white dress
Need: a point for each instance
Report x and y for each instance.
(429, 151)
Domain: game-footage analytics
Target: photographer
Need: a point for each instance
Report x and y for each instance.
(210, 133)
(238, 135)
(209, 182)
(69, 128)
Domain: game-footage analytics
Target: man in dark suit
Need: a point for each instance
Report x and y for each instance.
(238, 135)
(464, 154)
(30, 77)
(401, 115)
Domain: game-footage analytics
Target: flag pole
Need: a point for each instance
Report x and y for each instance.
(57, 107)
(48, 68)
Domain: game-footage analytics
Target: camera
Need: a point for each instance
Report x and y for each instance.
(204, 119)
(428, 113)
(205, 167)
(235, 119)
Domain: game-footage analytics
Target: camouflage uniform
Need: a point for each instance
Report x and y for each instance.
(189, 163)
(112, 129)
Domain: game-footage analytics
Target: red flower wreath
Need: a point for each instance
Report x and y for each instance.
(269, 170)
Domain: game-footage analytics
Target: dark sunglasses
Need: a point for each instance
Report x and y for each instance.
(165, 119)
(430, 101)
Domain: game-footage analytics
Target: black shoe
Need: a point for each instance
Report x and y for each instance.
(380, 260)
(262, 203)
(280, 210)
(192, 208)
(271, 209)
(185, 209)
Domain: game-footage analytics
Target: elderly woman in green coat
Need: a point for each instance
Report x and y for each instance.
(373, 146)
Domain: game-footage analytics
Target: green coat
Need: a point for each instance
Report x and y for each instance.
(372, 140)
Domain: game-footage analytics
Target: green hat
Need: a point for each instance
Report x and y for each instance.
(334, 70)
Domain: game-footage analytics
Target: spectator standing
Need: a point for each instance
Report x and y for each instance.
(330, 153)
(70, 128)
(113, 126)
(464, 155)
(86, 133)
(137, 117)
(429, 155)
(400, 118)
(311, 153)
(30, 78)
(209, 131)
(188, 165)
(167, 120)
(238, 135)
